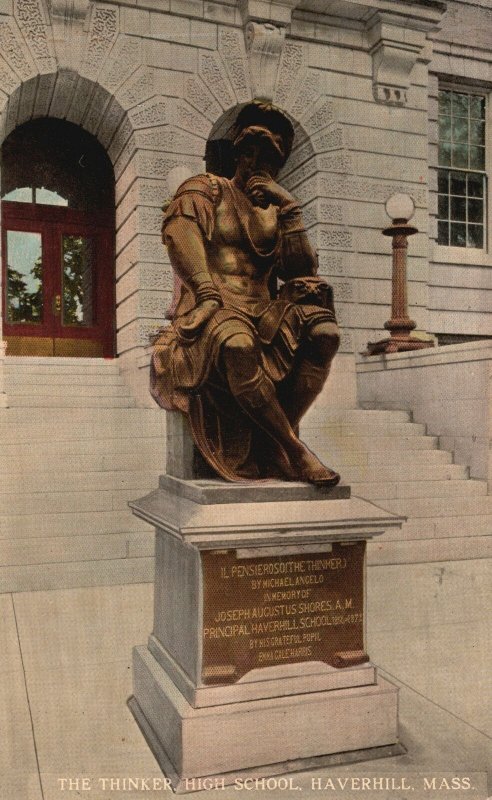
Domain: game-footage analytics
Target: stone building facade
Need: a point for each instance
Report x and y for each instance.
(155, 80)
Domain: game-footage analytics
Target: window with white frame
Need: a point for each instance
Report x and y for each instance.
(462, 179)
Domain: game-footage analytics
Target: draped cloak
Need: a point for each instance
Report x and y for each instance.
(187, 374)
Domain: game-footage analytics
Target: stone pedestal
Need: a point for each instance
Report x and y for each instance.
(257, 662)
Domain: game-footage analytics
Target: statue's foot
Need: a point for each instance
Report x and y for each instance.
(281, 461)
(311, 470)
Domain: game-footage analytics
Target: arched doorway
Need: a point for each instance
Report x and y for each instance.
(58, 225)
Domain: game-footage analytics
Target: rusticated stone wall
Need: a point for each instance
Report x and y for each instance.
(154, 80)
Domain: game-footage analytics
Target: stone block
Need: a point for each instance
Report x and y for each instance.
(137, 88)
(187, 8)
(211, 70)
(135, 21)
(300, 727)
(217, 12)
(203, 34)
(169, 55)
(170, 28)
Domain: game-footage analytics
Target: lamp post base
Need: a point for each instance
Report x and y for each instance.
(396, 344)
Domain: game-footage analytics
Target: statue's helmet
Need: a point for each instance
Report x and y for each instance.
(263, 122)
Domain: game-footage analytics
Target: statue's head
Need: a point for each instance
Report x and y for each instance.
(264, 127)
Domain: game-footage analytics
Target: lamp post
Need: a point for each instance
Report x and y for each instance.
(400, 209)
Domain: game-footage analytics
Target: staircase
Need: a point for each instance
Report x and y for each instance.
(74, 450)
(390, 461)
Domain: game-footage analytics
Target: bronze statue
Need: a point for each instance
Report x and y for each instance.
(243, 359)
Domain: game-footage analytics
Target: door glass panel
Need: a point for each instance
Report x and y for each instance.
(77, 265)
(21, 195)
(49, 198)
(24, 277)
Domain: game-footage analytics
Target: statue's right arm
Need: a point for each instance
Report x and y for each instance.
(186, 248)
(188, 225)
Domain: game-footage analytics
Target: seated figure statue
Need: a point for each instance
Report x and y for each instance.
(242, 358)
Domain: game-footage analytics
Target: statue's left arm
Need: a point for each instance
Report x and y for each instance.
(297, 257)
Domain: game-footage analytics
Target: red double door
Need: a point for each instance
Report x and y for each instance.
(58, 281)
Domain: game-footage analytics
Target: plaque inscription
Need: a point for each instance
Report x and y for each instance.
(265, 611)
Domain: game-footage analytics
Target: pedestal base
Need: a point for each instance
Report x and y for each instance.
(270, 736)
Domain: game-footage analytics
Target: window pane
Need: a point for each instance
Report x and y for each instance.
(22, 195)
(443, 233)
(443, 206)
(443, 180)
(77, 280)
(460, 104)
(458, 234)
(476, 185)
(475, 211)
(445, 154)
(477, 106)
(444, 102)
(24, 277)
(477, 132)
(460, 155)
(475, 236)
(460, 129)
(461, 190)
(46, 197)
(458, 208)
(445, 129)
(477, 157)
(458, 183)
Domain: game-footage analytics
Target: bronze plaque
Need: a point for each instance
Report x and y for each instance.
(261, 612)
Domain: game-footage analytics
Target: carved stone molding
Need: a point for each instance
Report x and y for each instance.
(276, 12)
(103, 32)
(30, 17)
(69, 9)
(395, 45)
(264, 44)
(68, 19)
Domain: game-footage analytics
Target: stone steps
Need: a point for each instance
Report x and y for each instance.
(60, 401)
(63, 378)
(48, 550)
(74, 502)
(356, 475)
(394, 466)
(65, 430)
(38, 391)
(68, 470)
(320, 443)
(84, 414)
(424, 507)
(22, 365)
(334, 430)
(149, 457)
(52, 481)
(381, 492)
(316, 417)
(75, 450)
(68, 524)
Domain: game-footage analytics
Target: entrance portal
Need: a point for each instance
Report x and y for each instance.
(57, 242)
